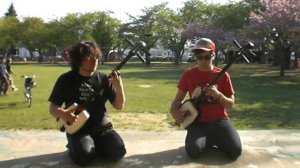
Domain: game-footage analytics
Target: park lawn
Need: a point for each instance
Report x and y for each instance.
(263, 99)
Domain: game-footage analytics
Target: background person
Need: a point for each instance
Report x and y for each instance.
(97, 137)
(4, 82)
(10, 73)
(212, 127)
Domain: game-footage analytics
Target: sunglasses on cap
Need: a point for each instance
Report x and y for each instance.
(202, 56)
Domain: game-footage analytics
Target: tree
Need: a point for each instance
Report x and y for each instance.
(146, 27)
(221, 23)
(279, 21)
(10, 34)
(33, 34)
(105, 32)
(11, 11)
(66, 31)
(176, 25)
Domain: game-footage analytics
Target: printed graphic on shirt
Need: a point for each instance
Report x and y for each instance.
(85, 91)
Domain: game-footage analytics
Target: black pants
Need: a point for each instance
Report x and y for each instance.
(85, 147)
(221, 134)
(4, 83)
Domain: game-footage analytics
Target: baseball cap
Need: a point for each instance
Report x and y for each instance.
(204, 44)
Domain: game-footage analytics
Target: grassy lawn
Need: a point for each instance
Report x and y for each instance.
(263, 99)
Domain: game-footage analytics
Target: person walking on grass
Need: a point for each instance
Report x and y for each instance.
(10, 73)
(89, 88)
(212, 127)
(4, 81)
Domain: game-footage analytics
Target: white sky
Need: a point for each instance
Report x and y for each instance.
(51, 9)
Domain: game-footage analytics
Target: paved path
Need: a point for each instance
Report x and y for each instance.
(45, 149)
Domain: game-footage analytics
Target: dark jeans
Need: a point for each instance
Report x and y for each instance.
(85, 147)
(4, 83)
(221, 134)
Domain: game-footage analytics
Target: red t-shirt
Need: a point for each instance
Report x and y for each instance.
(193, 77)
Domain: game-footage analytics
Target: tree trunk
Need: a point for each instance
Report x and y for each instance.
(178, 51)
(147, 59)
(282, 62)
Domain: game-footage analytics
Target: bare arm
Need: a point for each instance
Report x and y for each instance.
(176, 114)
(12, 72)
(180, 95)
(227, 102)
(116, 81)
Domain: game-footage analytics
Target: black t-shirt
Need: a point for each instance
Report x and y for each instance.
(71, 88)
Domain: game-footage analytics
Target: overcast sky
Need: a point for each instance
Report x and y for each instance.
(51, 9)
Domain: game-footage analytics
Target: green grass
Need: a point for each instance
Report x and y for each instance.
(263, 99)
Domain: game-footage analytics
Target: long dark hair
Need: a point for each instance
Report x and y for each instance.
(81, 50)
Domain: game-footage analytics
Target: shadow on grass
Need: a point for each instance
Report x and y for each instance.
(15, 105)
(7, 105)
(266, 102)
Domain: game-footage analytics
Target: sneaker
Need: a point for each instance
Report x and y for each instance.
(14, 89)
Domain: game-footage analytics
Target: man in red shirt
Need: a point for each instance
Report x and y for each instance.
(212, 127)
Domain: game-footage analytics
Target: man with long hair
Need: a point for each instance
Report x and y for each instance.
(87, 87)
